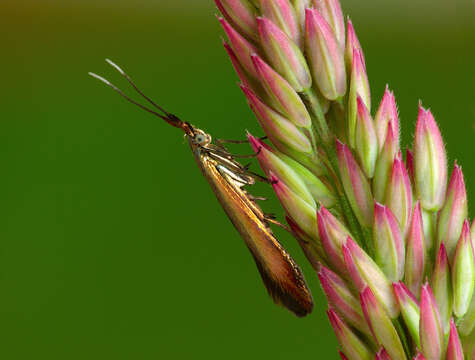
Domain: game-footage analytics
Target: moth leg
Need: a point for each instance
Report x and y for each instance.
(226, 141)
(272, 220)
(257, 198)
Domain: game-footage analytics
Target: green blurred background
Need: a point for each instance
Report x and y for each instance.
(104, 251)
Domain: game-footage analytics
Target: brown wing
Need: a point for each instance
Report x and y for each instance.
(281, 275)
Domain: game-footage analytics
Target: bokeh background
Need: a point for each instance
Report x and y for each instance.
(112, 245)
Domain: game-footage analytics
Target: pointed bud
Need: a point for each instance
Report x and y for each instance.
(364, 272)
(366, 140)
(341, 299)
(276, 126)
(453, 213)
(352, 43)
(399, 194)
(382, 354)
(463, 272)
(270, 162)
(282, 13)
(410, 165)
(244, 77)
(242, 48)
(442, 286)
(241, 14)
(409, 309)
(331, 11)
(311, 248)
(387, 115)
(381, 325)
(284, 55)
(384, 164)
(325, 56)
(289, 102)
(359, 86)
(431, 332)
(388, 243)
(333, 235)
(298, 209)
(454, 346)
(356, 185)
(415, 252)
(430, 162)
(352, 346)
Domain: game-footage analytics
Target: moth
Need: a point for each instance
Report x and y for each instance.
(280, 274)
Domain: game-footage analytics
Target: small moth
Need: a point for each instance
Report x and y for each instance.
(281, 275)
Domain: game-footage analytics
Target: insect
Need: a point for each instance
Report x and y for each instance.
(281, 275)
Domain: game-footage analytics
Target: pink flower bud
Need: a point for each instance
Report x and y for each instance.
(366, 142)
(298, 209)
(384, 164)
(399, 194)
(454, 347)
(246, 80)
(359, 86)
(381, 325)
(352, 346)
(325, 56)
(364, 272)
(241, 14)
(341, 299)
(388, 243)
(431, 332)
(430, 162)
(290, 103)
(409, 309)
(331, 11)
(282, 13)
(442, 287)
(276, 126)
(356, 185)
(382, 354)
(387, 115)
(242, 48)
(352, 43)
(284, 55)
(415, 252)
(454, 212)
(333, 235)
(463, 272)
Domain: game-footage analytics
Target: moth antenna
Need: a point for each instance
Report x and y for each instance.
(131, 82)
(121, 93)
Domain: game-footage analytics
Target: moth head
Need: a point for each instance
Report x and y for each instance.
(201, 138)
